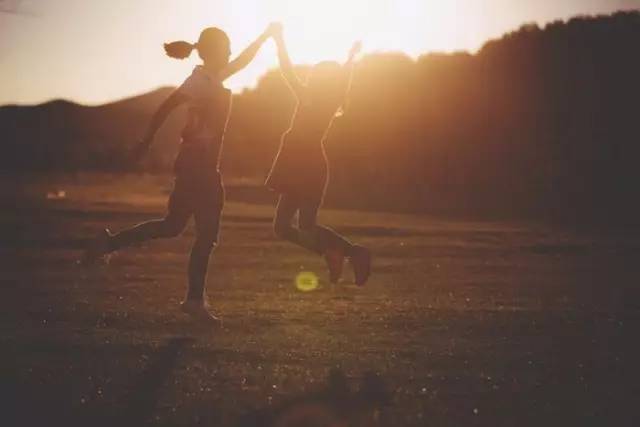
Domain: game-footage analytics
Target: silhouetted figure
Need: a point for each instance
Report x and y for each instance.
(300, 171)
(198, 189)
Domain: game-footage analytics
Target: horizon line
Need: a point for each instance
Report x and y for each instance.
(415, 57)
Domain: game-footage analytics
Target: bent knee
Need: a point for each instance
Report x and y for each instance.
(307, 227)
(204, 245)
(281, 229)
(172, 227)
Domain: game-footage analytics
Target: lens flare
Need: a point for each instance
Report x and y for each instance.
(306, 281)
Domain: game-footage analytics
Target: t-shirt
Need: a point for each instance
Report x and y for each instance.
(208, 106)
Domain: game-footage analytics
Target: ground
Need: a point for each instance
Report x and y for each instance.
(462, 323)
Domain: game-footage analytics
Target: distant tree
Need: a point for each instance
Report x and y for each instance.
(542, 122)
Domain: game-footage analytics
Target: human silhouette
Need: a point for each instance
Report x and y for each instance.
(198, 189)
(300, 170)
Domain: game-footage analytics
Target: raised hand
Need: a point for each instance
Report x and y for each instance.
(355, 49)
(275, 30)
(247, 55)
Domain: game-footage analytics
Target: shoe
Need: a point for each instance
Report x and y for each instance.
(199, 311)
(97, 248)
(335, 262)
(361, 263)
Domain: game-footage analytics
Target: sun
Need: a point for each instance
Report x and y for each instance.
(324, 29)
(318, 30)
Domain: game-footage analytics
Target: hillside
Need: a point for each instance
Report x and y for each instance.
(539, 123)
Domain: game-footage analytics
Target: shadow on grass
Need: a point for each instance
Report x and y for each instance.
(43, 402)
(334, 405)
(143, 395)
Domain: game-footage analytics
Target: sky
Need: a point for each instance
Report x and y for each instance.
(97, 51)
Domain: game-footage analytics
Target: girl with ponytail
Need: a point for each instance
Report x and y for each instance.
(198, 189)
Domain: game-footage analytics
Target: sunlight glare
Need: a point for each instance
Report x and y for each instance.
(325, 30)
(306, 281)
(319, 30)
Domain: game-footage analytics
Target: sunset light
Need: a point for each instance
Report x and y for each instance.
(270, 213)
(119, 43)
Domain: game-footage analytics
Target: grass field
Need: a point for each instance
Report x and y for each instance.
(463, 323)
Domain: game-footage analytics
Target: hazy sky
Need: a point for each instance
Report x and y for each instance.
(93, 51)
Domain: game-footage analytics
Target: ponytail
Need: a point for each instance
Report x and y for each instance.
(179, 49)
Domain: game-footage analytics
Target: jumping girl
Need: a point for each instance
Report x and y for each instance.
(198, 189)
(300, 171)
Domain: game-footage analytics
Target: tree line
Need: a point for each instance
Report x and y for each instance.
(541, 122)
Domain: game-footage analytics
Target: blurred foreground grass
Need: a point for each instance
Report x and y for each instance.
(462, 323)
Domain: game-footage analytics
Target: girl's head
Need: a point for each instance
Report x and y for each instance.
(213, 47)
(326, 84)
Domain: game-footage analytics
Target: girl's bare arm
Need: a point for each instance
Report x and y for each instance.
(348, 67)
(174, 100)
(286, 67)
(247, 55)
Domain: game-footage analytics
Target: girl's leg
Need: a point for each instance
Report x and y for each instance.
(308, 234)
(207, 219)
(335, 247)
(319, 239)
(324, 238)
(178, 212)
(282, 224)
(170, 226)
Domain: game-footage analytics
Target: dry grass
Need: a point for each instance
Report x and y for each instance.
(463, 323)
